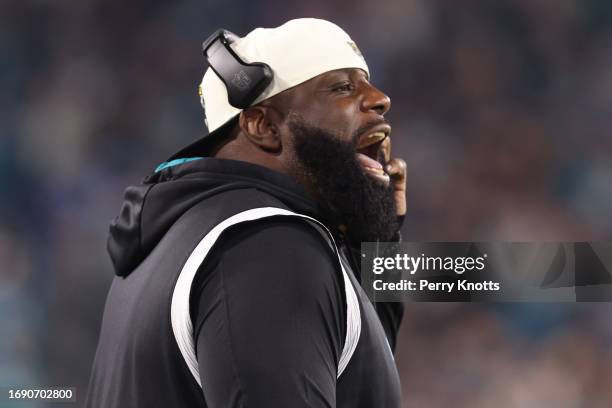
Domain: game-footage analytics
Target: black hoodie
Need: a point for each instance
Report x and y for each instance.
(266, 308)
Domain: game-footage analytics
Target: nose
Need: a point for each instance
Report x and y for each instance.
(376, 100)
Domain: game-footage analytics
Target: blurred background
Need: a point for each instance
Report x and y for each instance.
(502, 110)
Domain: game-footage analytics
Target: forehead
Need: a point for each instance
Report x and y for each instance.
(304, 91)
(352, 73)
(326, 79)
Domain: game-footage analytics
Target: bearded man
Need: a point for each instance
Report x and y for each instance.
(237, 260)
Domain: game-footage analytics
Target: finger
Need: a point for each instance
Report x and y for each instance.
(396, 168)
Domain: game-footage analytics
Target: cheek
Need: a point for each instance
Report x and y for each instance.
(341, 119)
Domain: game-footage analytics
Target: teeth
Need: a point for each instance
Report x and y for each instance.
(370, 139)
(376, 170)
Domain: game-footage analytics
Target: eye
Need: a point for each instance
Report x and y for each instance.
(342, 87)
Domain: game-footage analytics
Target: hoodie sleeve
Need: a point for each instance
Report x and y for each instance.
(390, 314)
(268, 312)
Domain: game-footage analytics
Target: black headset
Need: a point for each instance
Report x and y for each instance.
(244, 82)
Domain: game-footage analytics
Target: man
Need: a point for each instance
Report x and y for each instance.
(238, 272)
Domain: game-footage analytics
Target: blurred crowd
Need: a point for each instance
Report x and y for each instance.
(501, 108)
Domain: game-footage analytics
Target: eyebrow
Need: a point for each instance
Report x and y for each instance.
(346, 73)
(333, 75)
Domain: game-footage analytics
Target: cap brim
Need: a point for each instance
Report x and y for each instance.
(206, 145)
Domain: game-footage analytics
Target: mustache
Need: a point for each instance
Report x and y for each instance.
(366, 127)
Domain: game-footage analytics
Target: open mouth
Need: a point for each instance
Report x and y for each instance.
(369, 153)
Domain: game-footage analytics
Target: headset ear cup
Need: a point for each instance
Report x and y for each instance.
(244, 82)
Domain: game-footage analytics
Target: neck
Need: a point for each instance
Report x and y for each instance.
(240, 148)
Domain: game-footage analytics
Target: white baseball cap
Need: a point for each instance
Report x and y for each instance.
(296, 51)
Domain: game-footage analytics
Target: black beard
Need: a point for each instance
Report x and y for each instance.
(366, 207)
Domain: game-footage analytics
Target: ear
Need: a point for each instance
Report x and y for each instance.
(257, 123)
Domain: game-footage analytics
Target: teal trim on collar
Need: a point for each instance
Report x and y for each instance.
(175, 162)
